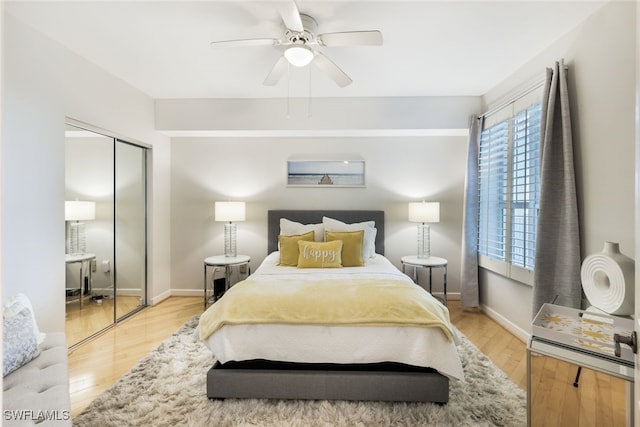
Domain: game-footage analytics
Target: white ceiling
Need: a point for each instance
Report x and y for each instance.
(431, 48)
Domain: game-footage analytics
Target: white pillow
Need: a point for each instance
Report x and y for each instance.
(370, 232)
(16, 304)
(19, 345)
(292, 228)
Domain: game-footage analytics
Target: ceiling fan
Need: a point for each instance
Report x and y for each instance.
(301, 41)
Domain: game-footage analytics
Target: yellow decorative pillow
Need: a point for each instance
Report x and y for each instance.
(352, 242)
(289, 247)
(320, 254)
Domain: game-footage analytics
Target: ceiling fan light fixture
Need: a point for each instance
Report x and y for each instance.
(299, 56)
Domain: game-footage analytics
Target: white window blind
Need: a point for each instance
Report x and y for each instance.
(509, 187)
(525, 186)
(493, 168)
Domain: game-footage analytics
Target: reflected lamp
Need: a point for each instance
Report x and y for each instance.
(76, 212)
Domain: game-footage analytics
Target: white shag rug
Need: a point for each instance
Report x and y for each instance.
(168, 388)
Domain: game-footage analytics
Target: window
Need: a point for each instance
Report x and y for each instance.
(525, 186)
(509, 189)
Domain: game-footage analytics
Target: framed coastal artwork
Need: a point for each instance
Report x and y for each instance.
(341, 171)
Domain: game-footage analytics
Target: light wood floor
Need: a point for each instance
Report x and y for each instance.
(598, 401)
(82, 322)
(96, 365)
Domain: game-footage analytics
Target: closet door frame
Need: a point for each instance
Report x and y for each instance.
(119, 138)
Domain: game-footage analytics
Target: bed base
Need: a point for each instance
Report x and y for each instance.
(383, 382)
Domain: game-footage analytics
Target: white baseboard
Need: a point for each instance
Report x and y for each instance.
(121, 291)
(177, 293)
(187, 293)
(451, 296)
(155, 300)
(158, 299)
(520, 333)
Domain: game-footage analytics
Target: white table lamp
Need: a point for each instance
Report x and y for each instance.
(229, 212)
(77, 211)
(424, 213)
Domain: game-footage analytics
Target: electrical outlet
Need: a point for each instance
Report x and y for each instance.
(94, 266)
(243, 269)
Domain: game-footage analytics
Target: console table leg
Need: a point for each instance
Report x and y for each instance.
(575, 382)
(631, 402)
(529, 399)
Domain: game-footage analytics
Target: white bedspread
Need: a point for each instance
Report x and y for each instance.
(418, 346)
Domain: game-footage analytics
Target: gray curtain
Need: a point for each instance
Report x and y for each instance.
(557, 268)
(470, 296)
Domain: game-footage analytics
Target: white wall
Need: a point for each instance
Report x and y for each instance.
(398, 170)
(43, 84)
(601, 55)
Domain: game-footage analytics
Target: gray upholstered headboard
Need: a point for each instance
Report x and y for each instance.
(314, 217)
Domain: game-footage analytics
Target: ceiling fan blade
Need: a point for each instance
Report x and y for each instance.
(276, 72)
(351, 38)
(290, 15)
(332, 70)
(246, 42)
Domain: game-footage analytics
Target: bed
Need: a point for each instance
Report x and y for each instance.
(257, 358)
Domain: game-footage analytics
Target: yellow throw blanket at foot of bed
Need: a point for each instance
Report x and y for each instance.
(364, 302)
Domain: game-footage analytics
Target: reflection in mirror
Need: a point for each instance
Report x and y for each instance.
(105, 226)
(89, 175)
(130, 235)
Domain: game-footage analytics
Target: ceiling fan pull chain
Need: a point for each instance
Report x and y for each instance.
(288, 91)
(310, 99)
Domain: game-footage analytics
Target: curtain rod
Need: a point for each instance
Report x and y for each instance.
(514, 97)
(517, 95)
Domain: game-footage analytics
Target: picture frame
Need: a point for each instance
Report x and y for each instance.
(345, 171)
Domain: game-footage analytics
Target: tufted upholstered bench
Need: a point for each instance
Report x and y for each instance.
(38, 392)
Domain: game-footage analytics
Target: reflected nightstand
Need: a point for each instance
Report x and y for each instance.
(85, 272)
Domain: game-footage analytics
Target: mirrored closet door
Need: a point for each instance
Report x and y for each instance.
(130, 227)
(105, 226)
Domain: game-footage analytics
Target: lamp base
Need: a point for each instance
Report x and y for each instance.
(76, 238)
(424, 244)
(230, 249)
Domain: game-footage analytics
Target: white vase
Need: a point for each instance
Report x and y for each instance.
(608, 280)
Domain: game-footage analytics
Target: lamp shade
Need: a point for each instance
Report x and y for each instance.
(79, 211)
(230, 211)
(424, 211)
(299, 56)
